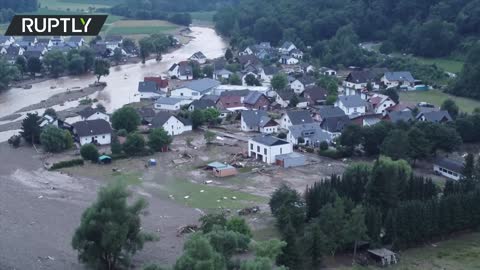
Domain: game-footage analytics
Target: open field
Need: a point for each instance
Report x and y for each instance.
(138, 27)
(437, 98)
(449, 65)
(203, 17)
(75, 5)
(462, 252)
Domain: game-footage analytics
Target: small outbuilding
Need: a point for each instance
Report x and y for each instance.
(290, 160)
(222, 170)
(383, 256)
(449, 168)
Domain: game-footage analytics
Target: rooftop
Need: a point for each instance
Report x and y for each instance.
(92, 127)
(269, 140)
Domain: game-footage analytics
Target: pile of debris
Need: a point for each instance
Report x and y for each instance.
(187, 229)
(249, 211)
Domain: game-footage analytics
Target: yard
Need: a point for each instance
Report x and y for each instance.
(449, 65)
(437, 98)
(138, 27)
(462, 252)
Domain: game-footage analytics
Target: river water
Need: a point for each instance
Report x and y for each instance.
(122, 82)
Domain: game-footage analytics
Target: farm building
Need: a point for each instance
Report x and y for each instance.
(221, 169)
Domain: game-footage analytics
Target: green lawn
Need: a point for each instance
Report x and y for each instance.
(203, 16)
(462, 252)
(143, 30)
(211, 198)
(75, 5)
(437, 97)
(449, 65)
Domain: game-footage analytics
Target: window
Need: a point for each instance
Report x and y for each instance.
(251, 146)
(280, 150)
(265, 151)
(258, 149)
(103, 137)
(181, 94)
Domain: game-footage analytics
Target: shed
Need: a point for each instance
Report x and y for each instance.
(290, 160)
(104, 159)
(383, 256)
(222, 170)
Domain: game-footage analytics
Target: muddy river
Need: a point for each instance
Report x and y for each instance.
(122, 82)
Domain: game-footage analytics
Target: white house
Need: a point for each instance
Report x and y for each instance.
(380, 103)
(182, 71)
(113, 42)
(327, 71)
(398, 78)
(288, 60)
(170, 104)
(358, 80)
(195, 89)
(88, 114)
(93, 131)
(266, 148)
(300, 84)
(222, 74)
(287, 47)
(258, 121)
(449, 168)
(291, 118)
(198, 57)
(148, 90)
(351, 105)
(172, 124)
(296, 53)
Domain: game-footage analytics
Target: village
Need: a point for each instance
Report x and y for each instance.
(235, 129)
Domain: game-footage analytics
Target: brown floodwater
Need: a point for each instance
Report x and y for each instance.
(122, 82)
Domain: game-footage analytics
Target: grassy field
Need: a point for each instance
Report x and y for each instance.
(138, 27)
(437, 98)
(462, 252)
(449, 65)
(75, 5)
(211, 198)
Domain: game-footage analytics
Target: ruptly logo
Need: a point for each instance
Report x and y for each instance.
(56, 25)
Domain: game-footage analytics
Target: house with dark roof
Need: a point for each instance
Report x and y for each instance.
(88, 114)
(232, 99)
(324, 112)
(146, 115)
(449, 168)
(213, 98)
(315, 95)
(198, 57)
(182, 71)
(148, 90)
(358, 80)
(284, 96)
(434, 116)
(335, 124)
(220, 74)
(6, 41)
(296, 53)
(300, 84)
(77, 40)
(201, 104)
(265, 148)
(379, 103)
(96, 131)
(288, 60)
(172, 124)
(399, 116)
(246, 60)
(366, 120)
(27, 41)
(162, 84)
(308, 134)
(352, 105)
(256, 100)
(258, 121)
(292, 118)
(398, 78)
(195, 89)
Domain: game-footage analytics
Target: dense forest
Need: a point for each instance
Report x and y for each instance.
(174, 11)
(430, 28)
(8, 8)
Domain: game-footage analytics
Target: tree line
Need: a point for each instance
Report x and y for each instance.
(20, 5)
(430, 28)
(383, 204)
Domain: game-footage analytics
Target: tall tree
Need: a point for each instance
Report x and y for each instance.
(31, 129)
(279, 81)
(55, 140)
(158, 139)
(7, 74)
(34, 66)
(395, 145)
(55, 62)
(110, 230)
(102, 68)
(451, 107)
(199, 254)
(125, 118)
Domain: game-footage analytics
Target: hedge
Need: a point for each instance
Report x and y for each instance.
(66, 164)
(331, 153)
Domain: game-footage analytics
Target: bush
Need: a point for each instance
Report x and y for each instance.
(15, 141)
(324, 146)
(122, 133)
(331, 153)
(282, 135)
(310, 150)
(89, 152)
(134, 145)
(66, 164)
